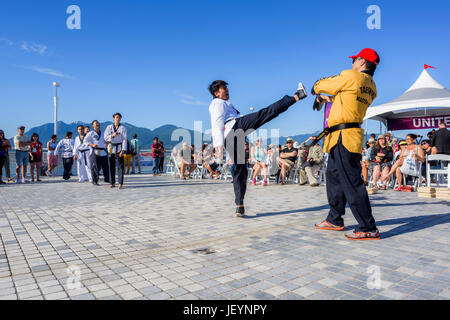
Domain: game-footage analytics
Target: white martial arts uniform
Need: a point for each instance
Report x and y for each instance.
(83, 153)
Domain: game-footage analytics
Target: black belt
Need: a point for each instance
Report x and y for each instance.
(115, 145)
(85, 150)
(332, 129)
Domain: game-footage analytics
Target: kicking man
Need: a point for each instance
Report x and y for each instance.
(116, 135)
(229, 129)
(353, 91)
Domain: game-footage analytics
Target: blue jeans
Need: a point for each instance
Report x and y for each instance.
(22, 158)
(156, 162)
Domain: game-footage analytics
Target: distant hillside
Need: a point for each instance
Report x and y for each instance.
(164, 133)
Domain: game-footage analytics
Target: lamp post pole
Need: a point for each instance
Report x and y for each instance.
(55, 101)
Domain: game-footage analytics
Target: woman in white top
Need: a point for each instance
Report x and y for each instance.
(413, 150)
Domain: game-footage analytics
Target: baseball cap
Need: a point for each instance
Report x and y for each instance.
(402, 143)
(369, 55)
(21, 127)
(289, 140)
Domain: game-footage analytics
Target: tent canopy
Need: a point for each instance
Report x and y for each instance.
(426, 97)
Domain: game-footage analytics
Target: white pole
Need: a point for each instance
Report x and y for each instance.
(55, 101)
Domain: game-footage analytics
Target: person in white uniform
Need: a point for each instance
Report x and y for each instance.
(99, 156)
(81, 154)
(67, 146)
(116, 136)
(229, 129)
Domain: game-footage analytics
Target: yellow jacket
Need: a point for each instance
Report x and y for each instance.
(353, 92)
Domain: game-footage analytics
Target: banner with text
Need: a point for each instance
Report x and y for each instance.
(417, 122)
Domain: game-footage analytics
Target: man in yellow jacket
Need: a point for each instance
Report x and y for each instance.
(352, 92)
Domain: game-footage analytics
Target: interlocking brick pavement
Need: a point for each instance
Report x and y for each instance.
(143, 242)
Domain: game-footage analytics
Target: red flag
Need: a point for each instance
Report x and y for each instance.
(425, 66)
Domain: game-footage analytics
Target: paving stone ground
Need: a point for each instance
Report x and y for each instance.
(161, 238)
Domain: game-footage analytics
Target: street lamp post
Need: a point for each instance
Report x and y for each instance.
(55, 100)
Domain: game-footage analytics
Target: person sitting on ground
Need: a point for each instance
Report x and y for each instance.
(413, 150)
(35, 157)
(258, 156)
(287, 159)
(367, 164)
(441, 140)
(312, 164)
(382, 156)
(187, 161)
(397, 162)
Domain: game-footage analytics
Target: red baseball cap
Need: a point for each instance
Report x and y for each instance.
(369, 55)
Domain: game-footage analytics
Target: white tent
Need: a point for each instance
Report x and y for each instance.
(426, 97)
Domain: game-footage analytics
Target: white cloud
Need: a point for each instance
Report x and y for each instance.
(7, 42)
(47, 71)
(186, 99)
(34, 47)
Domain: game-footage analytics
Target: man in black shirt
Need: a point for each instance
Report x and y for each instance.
(441, 141)
(287, 158)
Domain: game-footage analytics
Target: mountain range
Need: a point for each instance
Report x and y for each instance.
(164, 133)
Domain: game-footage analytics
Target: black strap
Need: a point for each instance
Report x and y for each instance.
(332, 129)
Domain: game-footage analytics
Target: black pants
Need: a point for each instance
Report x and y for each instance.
(112, 168)
(2, 163)
(97, 163)
(67, 164)
(235, 144)
(345, 184)
(161, 165)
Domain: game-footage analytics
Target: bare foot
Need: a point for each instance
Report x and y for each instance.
(120, 187)
(112, 186)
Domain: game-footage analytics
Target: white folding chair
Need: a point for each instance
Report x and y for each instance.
(442, 172)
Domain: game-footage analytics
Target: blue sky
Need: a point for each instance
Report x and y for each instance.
(153, 60)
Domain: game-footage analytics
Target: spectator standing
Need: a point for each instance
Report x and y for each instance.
(4, 146)
(35, 156)
(22, 146)
(136, 154)
(161, 157)
(156, 150)
(66, 145)
(127, 157)
(441, 140)
(52, 158)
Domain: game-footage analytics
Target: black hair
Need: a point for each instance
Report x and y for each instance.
(92, 123)
(215, 86)
(155, 138)
(68, 133)
(117, 114)
(370, 67)
(35, 135)
(426, 140)
(412, 136)
(54, 136)
(134, 136)
(80, 125)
